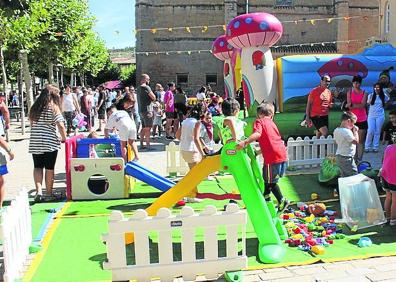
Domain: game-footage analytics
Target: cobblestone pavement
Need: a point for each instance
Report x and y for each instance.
(374, 269)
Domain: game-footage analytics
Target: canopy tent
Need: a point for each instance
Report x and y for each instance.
(114, 84)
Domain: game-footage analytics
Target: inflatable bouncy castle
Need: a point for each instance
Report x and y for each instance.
(289, 79)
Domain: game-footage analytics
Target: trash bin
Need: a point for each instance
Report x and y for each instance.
(360, 203)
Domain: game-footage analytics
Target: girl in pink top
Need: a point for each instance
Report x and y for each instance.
(356, 103)
(389, 182)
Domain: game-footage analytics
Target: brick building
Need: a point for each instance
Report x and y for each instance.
(196, 69)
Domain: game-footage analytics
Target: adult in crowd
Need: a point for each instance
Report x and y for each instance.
(70, 106)
(101, 107)
(180, 107)
(389, 88)
(318, 106)
(241, 100)
(201, 94)
(135, 111)
(144, 97)
(169, 102)
(356, 103)
(86, 106)
(45, 118)
(4, 117)
(376, 117)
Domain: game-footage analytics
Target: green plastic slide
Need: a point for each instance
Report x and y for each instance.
(247, 173)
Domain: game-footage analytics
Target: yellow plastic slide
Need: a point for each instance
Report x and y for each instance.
(183, 188)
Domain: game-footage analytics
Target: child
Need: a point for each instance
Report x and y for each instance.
(206, 133)
(273, 150)
(157, 123)
(3, 167)
(92, 152)
(390, 129)
(388, 178)
(120, 120)
(231, 128)
(346, 136)
(190, 145)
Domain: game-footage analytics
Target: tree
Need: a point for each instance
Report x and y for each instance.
(90, 56)
(128, 75)
(25, 26)
(69, 23)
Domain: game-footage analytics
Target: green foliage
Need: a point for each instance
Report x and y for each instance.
(128, 75)
(110, 72)
(53, 31)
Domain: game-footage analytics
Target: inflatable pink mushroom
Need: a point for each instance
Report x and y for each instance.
(223, 51)
(255, 33)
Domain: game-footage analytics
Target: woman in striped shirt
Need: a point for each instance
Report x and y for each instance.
(45, 117)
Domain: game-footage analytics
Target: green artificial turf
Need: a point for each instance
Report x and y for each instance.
(40, 214)
(77, 253)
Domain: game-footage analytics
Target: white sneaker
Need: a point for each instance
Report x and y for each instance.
(192, 200)
(303, 123)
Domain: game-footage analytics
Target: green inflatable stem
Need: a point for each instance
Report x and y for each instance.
(242, 164)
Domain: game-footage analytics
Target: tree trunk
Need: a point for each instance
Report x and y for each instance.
(82, 79)
(61, 77)
(51, 73)
(20, 88)
(3, 70)
(72, 79)
(26, 77)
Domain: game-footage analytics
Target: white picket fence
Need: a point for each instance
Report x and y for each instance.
(164, 224)
(302, 153)
(16, 234)
(175, 164)
(309, 152)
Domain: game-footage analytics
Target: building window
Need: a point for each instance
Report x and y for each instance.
(182, 79)
(387, 17)
(284, 3)
(211, 79)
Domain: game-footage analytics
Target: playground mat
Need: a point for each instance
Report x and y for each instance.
(74, 251)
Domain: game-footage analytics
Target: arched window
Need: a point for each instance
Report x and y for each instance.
(387, 17)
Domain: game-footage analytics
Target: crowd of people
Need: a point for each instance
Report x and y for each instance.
(360, 129)
(139, 114)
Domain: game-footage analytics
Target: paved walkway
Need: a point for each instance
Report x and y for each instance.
(375, 269)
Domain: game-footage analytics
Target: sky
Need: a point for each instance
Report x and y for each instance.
(115, 21)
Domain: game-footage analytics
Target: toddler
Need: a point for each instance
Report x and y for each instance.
(346, 136)
(92, 152)
(231, 128)
(206, 133)
(157, 122)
